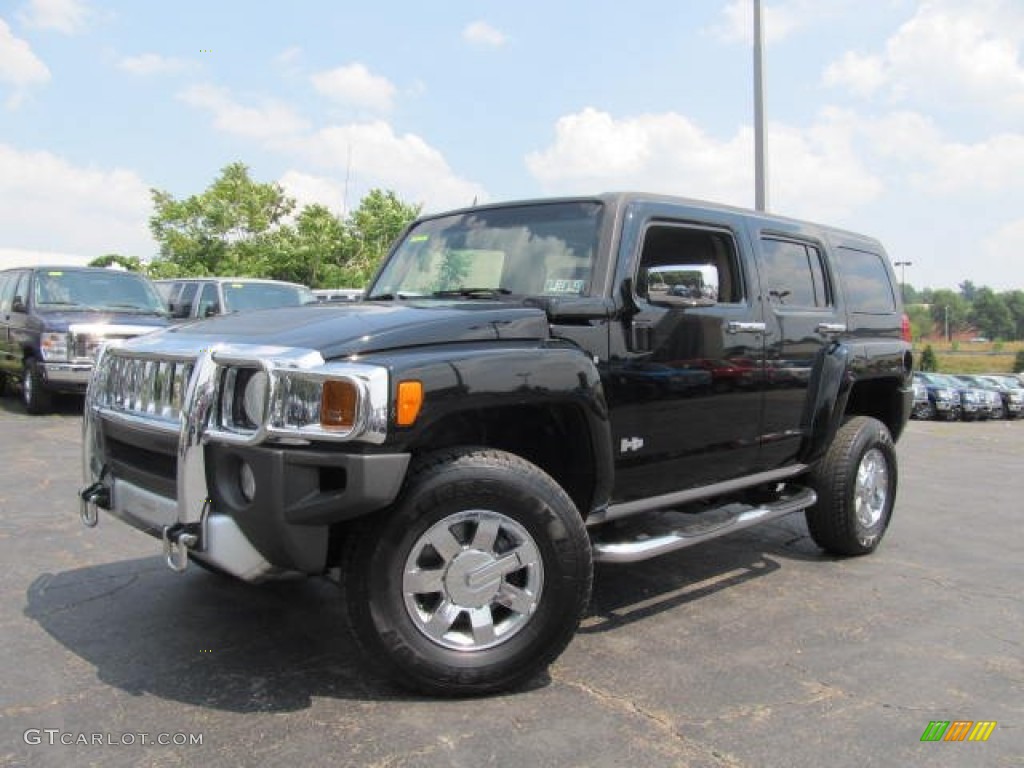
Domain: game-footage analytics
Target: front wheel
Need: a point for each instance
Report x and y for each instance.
(475, 580)
(856, 487)
(36, 398)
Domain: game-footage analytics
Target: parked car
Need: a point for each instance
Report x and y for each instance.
(974, 402)
(1011, 391)
(943, 397)
(193, 298)
(53, 320)
(992, 395)
(922, 408)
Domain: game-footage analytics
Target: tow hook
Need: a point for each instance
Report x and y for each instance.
(178, 540)
(90, 500)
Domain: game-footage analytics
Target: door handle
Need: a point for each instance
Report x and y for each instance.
(738, 327)
(831, 329)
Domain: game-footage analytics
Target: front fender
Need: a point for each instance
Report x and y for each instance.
(469, 381)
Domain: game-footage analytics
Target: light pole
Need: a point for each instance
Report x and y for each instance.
(760, 169)
(903, 277)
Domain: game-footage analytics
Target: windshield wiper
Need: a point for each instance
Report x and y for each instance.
(474, 293)
(135, 308)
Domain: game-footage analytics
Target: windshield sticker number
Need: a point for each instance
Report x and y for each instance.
(564, 286)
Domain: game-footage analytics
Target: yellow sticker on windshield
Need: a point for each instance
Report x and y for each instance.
(55, 274)
(419, 238)
(238, 285)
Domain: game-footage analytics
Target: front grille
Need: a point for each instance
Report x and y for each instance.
(141, 386)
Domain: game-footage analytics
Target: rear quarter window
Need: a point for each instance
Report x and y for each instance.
(869, 290)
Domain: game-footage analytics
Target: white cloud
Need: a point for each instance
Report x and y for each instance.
(1002, 252)
(946, 55)
(19, 66)
(52, 205)
(153, 64)
(309, 190)
(378, 157)
(482, 34)
(270, 120)
(778, 21)
(23, 257)
(67, 16)
(819, 177)
(355, 86)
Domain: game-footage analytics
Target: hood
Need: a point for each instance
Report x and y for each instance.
(59, 321)
(361, 328)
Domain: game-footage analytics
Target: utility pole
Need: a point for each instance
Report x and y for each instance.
(760, 167)
(903, 277)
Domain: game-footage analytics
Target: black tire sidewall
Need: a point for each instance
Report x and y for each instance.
(833, 519)
(516, 490)
(35, 398)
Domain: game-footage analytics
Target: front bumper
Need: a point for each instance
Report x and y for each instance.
(253, 510)
(67, 376)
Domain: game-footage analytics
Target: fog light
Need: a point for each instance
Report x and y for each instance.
(247, 481)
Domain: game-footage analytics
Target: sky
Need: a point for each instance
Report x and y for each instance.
(901, 119)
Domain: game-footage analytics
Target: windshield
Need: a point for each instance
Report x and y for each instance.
(112, 291)
(530, 250)
(239, 297)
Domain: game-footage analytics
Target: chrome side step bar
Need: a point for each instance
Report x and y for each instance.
(647, 546)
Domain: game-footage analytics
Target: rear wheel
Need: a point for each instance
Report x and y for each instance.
(856, 487)
(36, 398)
(475, 580)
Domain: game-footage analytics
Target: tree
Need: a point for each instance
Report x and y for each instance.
(131, 263)
(928, 360)
(226, 230)
(951, 307)
(921, 322)
(990, 315)
(967, 290)
(1015, 303)
(373, 226)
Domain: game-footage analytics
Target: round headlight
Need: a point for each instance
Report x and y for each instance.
(254, 399)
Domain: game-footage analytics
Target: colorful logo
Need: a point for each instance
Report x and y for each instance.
(958, 730)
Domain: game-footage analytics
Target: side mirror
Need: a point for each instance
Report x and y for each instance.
(18, 305)
(210, 310)
(682, 285)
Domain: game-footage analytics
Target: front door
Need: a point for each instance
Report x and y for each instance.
(684, 376)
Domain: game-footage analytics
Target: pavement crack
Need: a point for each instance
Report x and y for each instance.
(661, 722)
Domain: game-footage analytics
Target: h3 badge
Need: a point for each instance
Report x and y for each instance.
(628, 444)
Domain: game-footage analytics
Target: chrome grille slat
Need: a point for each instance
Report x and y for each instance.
(143, 386)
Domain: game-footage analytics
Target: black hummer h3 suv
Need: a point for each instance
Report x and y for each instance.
(461, 447)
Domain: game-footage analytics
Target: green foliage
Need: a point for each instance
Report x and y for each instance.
(1018, 363)
(928, 360)
(244, 228)
(921, 323)
(990, 315)
(131, 263)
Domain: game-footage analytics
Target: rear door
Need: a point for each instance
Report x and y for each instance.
(804, 315)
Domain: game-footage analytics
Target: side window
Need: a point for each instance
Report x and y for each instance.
(7, 280)
(21, 291)
(687, 266)
(182, 306)
(869, 290)
(208, 301)
(794, 274)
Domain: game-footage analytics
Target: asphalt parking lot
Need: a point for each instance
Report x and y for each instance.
(756, 650)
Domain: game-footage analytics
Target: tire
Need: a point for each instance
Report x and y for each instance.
(927, 411)
(856, 486)
(406, 575)
(37, 400)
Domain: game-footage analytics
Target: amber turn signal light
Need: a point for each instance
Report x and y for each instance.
(338, 404)
(410, 398)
